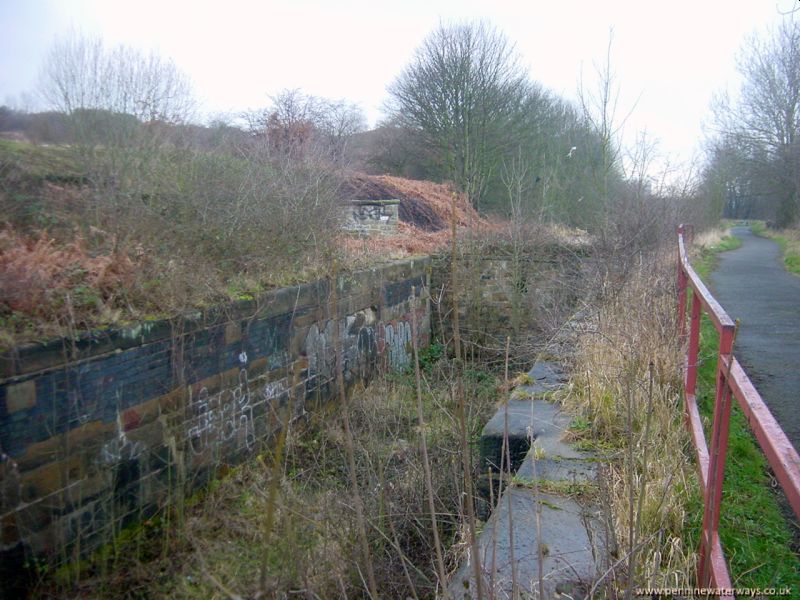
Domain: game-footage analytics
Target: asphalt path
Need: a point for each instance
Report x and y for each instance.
(752, 284)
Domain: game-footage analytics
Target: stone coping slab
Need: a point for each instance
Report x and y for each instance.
(571, 539)
(568, 527)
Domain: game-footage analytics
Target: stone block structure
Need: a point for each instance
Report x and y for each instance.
(110, 428)
(371, 217)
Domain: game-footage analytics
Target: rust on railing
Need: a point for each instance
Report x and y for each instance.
(731, 381)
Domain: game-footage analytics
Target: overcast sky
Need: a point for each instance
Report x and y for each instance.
(670, 55)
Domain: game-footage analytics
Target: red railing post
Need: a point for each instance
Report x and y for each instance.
(731, 381)
(681, 291)
(694, 345)
(717, 451)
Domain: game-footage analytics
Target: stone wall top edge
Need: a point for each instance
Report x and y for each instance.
(382, 202)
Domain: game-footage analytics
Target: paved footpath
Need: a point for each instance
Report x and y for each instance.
(752, 285)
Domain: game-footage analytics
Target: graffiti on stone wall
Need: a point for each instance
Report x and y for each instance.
(227, 416)
(139, 432)
(360, 335)
(398, 343)
(77, 411)
(371, 212)
(120, 448)
(359, 341)
(367, 218)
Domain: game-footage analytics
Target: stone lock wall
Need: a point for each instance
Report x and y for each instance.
(371, 217)
(502, 295)
(108, 429)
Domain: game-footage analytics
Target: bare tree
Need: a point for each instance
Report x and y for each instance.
(81, 73)
(601, 110)
(295, 122)
(763, 122)
(397, 149)
(464, 91)
(726, 183)
(121, 110)
(516, 179)
(559, 150)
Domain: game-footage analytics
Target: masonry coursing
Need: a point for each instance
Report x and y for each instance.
(107, 429)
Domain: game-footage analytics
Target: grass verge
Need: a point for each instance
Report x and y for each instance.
(756, 537)
(789, 242)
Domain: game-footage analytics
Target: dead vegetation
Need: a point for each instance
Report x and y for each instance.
(79, 252)
(423, 204)
(36, 273)
(626, 395)
(50, 284)
(89, 244)
(426, 212)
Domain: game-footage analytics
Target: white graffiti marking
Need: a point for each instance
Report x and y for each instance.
(371, 212)
(274, 389)
(358, 341)
(120, 448)
(319, 349)
(227, 417)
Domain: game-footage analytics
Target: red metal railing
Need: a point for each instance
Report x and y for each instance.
(730, 379)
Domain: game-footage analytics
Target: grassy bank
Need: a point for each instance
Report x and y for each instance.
(755, 535)
(629, 367)
(789, 242)
(112, 235)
